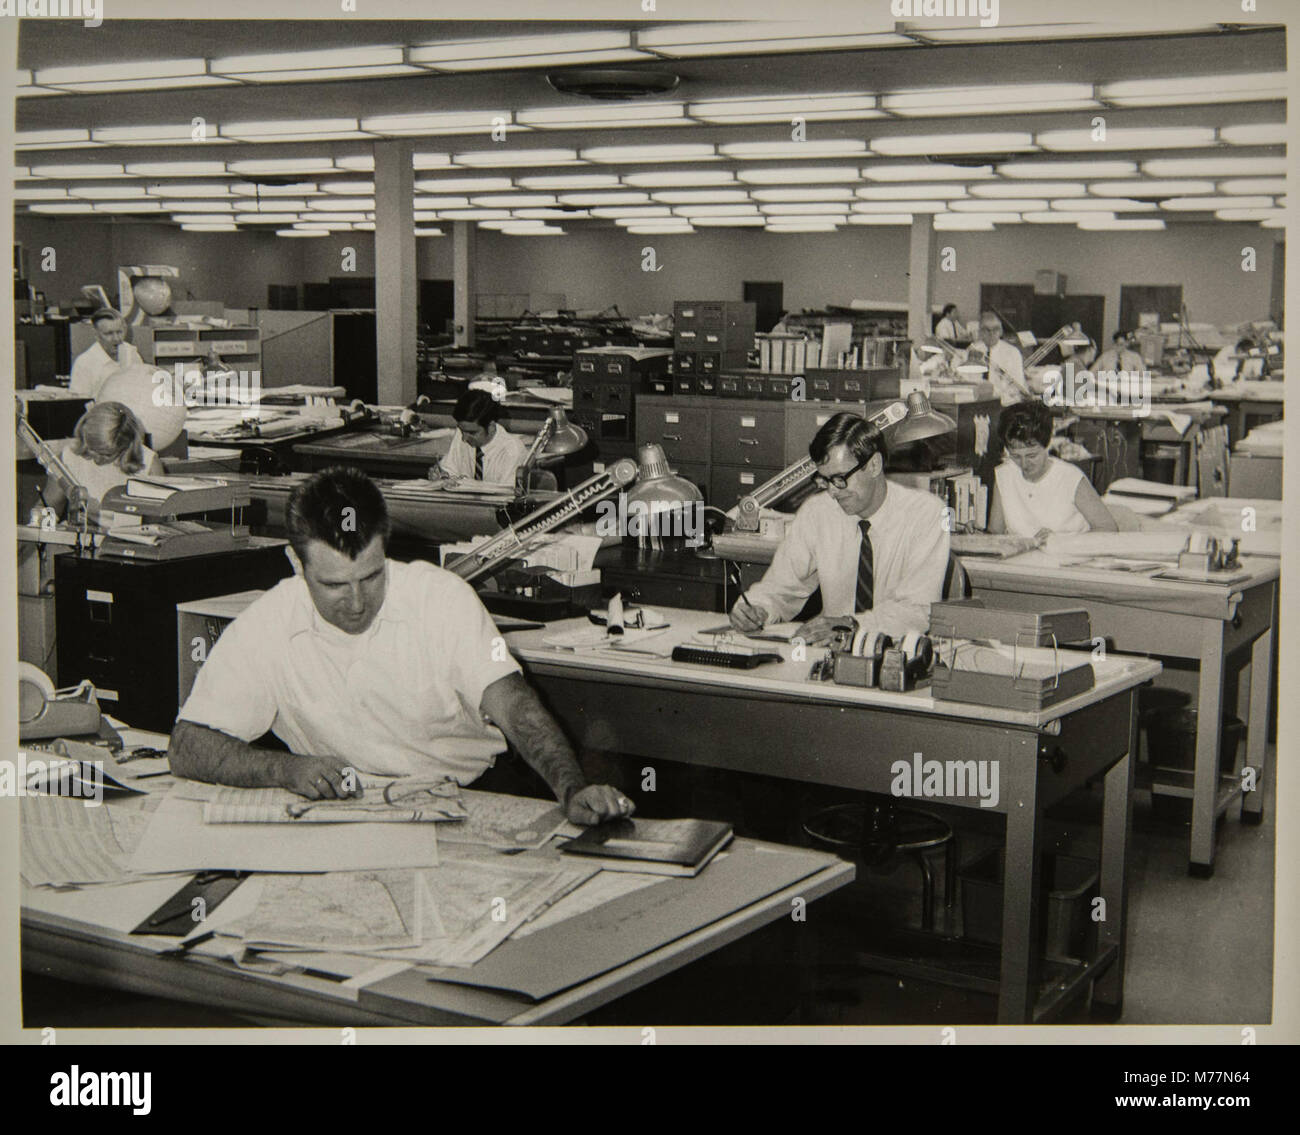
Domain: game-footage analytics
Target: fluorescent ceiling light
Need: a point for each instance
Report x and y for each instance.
(285, 204)
(805, 227)
(35, 193)
(1150, 188)
(679, 178)
(176, 169)
(266, 218)
(50, 207)
(200, 206)
(562, 214)
(901, 206)
(512, 200)
(180, 189)
(1030, 189)
(754, 38)
(1122, 224)
(210, 228)
(337, 218)
(729, 222)
(1191, 204)
(1249, 214)
(1199, 89)
(1152, 138)
(1273, 223)
(1258, 134)
(1002, 99)
(512, 223)
(475, 215)
(430, 161)
(882, 219)
(660, 230)
(301, 232)
(544, 231)
(1005, 31)
(535, 50)
(283, 165)
(1253, 185)
(1213, 167)
(615, 197)
(86, 169)
(344, 203)
(471, 184)
(1051, 217)
(917, 192)
(912, 144)
(643, 211)
(203, 218)
(356, 162)
(364, 226)
(42, 139)
(970, 222)
(422, 215)
(516, 158)
(788, 175)
(633, 114)
(343, 187)
(299, 65)
(289, 128)
(685, 152)
(928, 172)
(428, 232)
(461, 122)
(442, 202)
(1018, 204)
(1103, 205)
(794, 151)
(128, 207)
(1080, 169)
(821, 193)
(694, 211)
(295, 189)
(1002, 218)
(179, 132)
(806, 209)
(814, 108)
(570, 181)
(121, 76)
(311, 75)
(702, 196)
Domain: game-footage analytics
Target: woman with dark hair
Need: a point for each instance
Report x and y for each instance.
(1035, 493)
(106, 450)
(948, 323)
(482, 450)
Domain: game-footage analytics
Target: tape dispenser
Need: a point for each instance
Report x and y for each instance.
(44, 711)
(872, 659)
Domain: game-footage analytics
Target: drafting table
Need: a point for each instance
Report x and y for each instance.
(1249, 407)
(776, 722)
(1203, 622)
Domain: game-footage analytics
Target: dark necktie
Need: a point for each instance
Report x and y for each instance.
(478, 464)
(866, 571)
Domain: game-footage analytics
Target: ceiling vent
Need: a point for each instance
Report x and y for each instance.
(613, 84)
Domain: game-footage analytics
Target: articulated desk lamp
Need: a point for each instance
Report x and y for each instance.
(78, 498)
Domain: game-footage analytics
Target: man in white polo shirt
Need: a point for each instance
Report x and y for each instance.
(109, 353)
(358, 661)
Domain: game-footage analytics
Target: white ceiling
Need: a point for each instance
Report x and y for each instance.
(1095, 60)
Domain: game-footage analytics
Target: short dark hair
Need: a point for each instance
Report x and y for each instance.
(105, 313)
(316, 512)
(947, 308)
(1025, 422)
(477, 406)
(864, 441)
(1119, 336)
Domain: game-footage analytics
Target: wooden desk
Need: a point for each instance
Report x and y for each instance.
(1248, 408)
(1204, 622)
(776, 722)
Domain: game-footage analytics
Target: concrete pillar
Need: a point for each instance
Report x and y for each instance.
(919, 284)
(465, 252)
(395, 272)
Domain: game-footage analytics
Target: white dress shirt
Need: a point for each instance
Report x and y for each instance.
(503, 453)
(400, 698)
(945, 329)
(1007, 373)
(1126, 360)
(909, 547)
(1029, 506)
(94, 365)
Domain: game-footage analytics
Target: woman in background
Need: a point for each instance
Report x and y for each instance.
(1036, 494)
(107, 448)
(946, 328)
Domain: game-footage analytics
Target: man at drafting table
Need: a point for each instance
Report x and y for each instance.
(362, 662)
(878, 551)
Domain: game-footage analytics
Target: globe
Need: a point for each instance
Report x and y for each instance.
(153, 294)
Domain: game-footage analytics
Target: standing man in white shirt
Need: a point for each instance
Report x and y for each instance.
(360, 662)
(877, 550)
(109, 353)
(482, 450)
(1006, 363)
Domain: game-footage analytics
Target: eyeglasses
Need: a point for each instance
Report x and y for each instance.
(838, 480)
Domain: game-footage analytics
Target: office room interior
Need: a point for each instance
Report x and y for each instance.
(827, 475)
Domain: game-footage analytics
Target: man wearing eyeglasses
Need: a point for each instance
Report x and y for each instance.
(877, 550)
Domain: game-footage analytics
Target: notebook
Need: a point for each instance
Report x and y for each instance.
(656, 847)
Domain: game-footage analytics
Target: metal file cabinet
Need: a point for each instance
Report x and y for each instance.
(747, 435)
(682, 430)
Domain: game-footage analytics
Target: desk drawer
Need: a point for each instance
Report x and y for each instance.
(683, 433)
(748, 437)
(728, 483)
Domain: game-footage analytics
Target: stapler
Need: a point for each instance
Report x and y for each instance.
(1204, 553)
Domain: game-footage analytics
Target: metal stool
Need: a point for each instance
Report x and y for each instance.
(876, 832)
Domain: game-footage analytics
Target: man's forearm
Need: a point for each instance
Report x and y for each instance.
(200, 753)
(534, 732)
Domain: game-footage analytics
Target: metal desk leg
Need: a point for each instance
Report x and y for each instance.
(1019, 976)
(1116, 833)
(1261, 662)
(1205, 780)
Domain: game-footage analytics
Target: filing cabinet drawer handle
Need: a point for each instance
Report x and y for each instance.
(748, 441)
(672, 437)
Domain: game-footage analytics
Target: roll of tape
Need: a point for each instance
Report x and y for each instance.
(860, 642)
(34, 690)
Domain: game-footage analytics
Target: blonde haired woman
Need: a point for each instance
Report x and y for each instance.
(107, 448)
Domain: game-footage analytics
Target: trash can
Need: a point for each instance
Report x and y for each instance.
(1171, 739)
(1068, 885)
